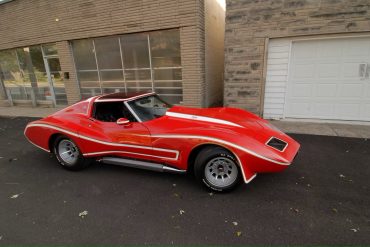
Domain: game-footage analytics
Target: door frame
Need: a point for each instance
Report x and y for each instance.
(47, 69)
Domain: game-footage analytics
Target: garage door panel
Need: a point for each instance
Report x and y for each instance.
(303, 71)
(329, 70)
(323, 110)
(330, 49)
(326, 90)
(305, 51)
(351, 70)
(367, 92)
(365, 111)
(299, 109)
(351, 90)
(302, 90)
(347, 110)
(357, 47)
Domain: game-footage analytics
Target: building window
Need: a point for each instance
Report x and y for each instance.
(33, 74)
(129, 63)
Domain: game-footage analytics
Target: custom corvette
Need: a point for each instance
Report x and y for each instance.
(219, 145)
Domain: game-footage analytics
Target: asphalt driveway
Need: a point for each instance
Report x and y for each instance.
(323, 198)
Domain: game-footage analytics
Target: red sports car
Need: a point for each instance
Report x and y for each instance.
(220, 145)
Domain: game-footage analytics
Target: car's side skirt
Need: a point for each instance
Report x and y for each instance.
(140, 164)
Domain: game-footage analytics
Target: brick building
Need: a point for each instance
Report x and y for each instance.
(57, 52)
(305, 59)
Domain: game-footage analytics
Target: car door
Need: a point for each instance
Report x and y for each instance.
(102, 138)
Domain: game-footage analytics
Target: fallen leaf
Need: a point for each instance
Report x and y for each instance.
(235, 223)
(354, 230)
(335, 210)
(83, 214)
(295, 210)
(15, 196)
(341, 176)
(238, 234)
(182, 212)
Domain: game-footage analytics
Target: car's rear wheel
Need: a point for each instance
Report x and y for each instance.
(217, 168)
(68, 154)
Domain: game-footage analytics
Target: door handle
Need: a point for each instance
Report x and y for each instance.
(362, 70)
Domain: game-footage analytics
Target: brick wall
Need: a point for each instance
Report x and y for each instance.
(30, 22)
(251, 23)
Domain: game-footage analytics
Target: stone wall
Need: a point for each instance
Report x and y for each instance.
(251, 23)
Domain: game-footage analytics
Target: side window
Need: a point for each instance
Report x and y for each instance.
(111, 111)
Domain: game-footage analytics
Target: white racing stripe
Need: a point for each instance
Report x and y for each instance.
(125, 152)
(109, 143)
(225, 143)
(201, 118)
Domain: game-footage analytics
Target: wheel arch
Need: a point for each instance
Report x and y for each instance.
(51, 141)
(197, 149)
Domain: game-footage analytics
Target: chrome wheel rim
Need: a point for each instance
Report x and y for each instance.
(221, 171)
(68, 152)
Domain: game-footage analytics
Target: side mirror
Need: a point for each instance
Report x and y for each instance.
(123, 121)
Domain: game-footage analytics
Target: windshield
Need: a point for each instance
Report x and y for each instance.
(149, 107)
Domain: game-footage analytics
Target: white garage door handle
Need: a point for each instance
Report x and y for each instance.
(363, 71)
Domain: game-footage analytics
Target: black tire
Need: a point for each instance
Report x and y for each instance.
(76, 162)
(221, 166)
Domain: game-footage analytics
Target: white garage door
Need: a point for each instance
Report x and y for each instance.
(326, 79)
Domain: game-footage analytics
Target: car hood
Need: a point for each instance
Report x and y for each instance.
(235, 126)
(221, 116)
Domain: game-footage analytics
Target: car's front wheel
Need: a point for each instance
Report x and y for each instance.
(68, 154)
(217, 168)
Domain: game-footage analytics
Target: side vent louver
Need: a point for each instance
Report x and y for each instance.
(277, 144)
